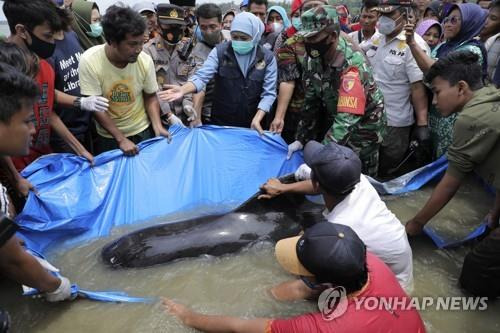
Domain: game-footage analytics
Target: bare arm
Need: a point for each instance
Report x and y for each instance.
(284, 96)
(23, 268)
(441, 195)
(23, 186)
(208, 323)
(420, 102)
(64, 99)
(61, 129)
(153, 110)
(198, 100)
(273, 187)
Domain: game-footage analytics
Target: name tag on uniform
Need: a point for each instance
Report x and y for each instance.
(351, 93)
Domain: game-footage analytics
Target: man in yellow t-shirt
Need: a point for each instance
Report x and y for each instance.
(119, 71)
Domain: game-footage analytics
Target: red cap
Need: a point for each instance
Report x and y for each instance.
(296, 4)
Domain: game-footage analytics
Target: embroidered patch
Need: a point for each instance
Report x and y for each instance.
(261, 65)
(351, 93)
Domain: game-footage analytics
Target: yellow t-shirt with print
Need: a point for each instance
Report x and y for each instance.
(123, 87)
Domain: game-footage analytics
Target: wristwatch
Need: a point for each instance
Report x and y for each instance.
(77, 103)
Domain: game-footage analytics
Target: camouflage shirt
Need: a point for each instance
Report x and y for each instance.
(339, 101)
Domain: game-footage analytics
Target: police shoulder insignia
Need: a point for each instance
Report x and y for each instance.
(173, 13)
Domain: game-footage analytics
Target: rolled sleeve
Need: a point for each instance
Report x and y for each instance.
(203, 75)
(268, 95)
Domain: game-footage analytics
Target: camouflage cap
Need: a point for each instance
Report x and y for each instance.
(388, 6)
(317, 19)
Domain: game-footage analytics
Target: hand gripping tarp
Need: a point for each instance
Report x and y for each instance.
(201, 167)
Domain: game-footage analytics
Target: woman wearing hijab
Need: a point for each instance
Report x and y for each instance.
(227, 19)
(462, 24)
(433, 11)
(87, 23)
(245, 77)
(430, 31)
(276, 21)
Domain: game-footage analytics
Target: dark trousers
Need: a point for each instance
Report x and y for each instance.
(481, 270)
(393, 148)
(103, 144)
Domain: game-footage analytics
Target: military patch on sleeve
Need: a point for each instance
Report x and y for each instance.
(351, 93)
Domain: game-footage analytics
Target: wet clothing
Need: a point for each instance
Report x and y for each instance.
(43, 108)
(378, 228)
(476, 138)
(236, 96)
(340, 102)
(381, 284)
(65, 62)
(82, 10)
(172, 67)
(123, 87)
(481, 269)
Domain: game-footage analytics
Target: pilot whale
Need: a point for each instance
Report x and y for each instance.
(255, 220)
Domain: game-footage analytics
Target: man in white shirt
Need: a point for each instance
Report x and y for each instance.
(334, 171)
(400, 79)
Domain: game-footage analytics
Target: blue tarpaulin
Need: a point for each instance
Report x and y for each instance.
(200, 167)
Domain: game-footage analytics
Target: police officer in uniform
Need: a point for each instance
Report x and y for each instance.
(170, 52)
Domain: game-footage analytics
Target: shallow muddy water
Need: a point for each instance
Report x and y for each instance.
(238, 284)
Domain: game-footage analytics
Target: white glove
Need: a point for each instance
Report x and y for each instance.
(190, 112)
(94, 104)
(293, 147)
(62, 293)
(174, 120)
(303, 173)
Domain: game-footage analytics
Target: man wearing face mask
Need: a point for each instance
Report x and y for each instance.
(342, 102)
(170, 52)
(32, 25)
(400, 79)
(209, 18)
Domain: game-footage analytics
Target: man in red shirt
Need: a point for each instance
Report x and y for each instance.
(332, 261)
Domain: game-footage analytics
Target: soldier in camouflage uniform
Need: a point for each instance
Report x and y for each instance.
(341, 101)
(170, 52)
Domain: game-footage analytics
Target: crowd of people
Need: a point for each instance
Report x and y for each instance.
(400, 85)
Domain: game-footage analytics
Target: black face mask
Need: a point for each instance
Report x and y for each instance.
(314, 50)
(40, 47)
(173, 36)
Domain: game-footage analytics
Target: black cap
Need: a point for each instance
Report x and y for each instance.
(170, 14)
(336, 168)
(328, 251)
(184, 3)
(388, 6)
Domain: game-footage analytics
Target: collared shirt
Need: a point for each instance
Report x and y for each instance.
(395, 70)
(170, 69)
(211, 66)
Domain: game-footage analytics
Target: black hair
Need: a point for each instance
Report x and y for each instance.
(494, 4)
(15, 88)
(66, 18)
(31, 13)
(458, 66)
(120, 21)
(369, 4)
(257, 2)
(15, 56)
(208, 11)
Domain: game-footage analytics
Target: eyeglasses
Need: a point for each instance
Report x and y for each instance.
(453, 20)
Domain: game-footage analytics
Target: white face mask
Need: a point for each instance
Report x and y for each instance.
(277, 27)
(386, 25)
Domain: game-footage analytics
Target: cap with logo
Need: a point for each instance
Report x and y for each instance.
(329, 252)
(144, 6)
(317, 19)
(336, 168)
(388, 6)
(170, 14)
